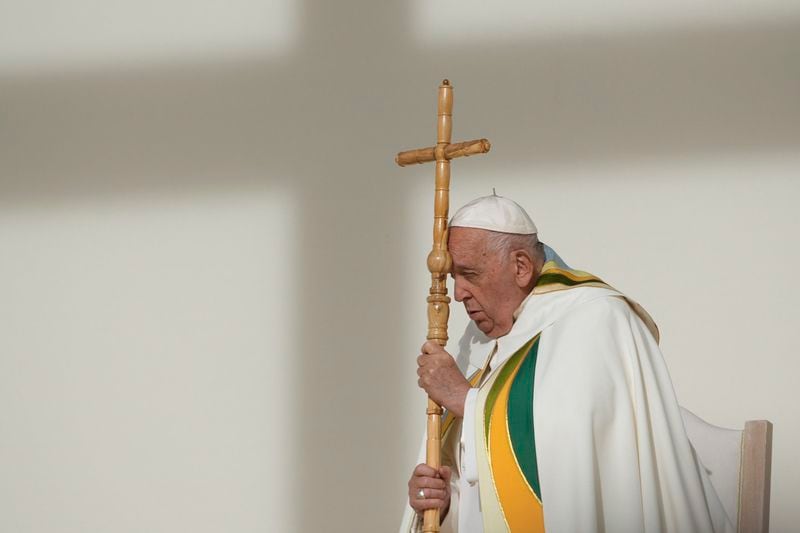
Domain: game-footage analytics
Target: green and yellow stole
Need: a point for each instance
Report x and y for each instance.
(511, 497)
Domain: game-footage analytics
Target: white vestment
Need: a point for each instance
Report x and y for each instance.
(612, 452)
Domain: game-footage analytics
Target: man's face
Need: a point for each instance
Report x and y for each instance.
(484, 281)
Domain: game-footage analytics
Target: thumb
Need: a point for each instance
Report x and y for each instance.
(431, 347)
(446, 473)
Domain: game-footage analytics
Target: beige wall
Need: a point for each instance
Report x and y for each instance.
(211, 274)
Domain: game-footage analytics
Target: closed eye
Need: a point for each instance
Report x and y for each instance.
(467, 274)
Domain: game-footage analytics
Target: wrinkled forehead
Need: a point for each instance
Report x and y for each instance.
(468, 246)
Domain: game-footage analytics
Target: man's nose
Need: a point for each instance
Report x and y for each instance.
(459, 292)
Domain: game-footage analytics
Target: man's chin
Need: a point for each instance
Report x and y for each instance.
(484, 325)
(489, 328)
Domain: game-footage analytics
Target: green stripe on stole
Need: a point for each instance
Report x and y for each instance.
(520, 419)
(561, 279)
(505, 372)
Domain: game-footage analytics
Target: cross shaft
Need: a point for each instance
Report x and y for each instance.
(439, 260)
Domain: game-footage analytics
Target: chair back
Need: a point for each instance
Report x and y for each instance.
(738, 464)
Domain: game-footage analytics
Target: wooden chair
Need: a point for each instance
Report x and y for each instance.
(739, 464)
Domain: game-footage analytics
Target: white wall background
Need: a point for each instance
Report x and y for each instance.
(212, 275)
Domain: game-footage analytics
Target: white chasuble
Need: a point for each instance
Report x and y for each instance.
(576, 426)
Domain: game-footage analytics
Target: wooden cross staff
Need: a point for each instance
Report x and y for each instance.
(439, 261)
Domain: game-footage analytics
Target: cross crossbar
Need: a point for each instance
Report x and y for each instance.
(451, 151)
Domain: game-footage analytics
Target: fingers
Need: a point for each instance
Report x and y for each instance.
(428, 483)
(426, 359)
(434, 498)
(427, 503)
(439, 356)
(434, 486)
(424, 470)
(430, 494)
(427, 476)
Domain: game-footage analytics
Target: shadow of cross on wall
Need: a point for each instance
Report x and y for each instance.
(324, 122)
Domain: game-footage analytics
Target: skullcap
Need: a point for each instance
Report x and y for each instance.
(494, 213)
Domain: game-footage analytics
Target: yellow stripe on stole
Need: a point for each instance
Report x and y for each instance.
(521, 509)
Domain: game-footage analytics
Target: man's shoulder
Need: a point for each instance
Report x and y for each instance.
(601, 337)
(599, 311)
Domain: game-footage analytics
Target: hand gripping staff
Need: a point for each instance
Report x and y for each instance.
(439, 261)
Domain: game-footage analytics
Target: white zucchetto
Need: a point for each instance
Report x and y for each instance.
(494, 213)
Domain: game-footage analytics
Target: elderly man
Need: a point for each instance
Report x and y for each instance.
(566, 420)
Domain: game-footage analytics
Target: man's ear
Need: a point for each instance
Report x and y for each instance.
(523, 268)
